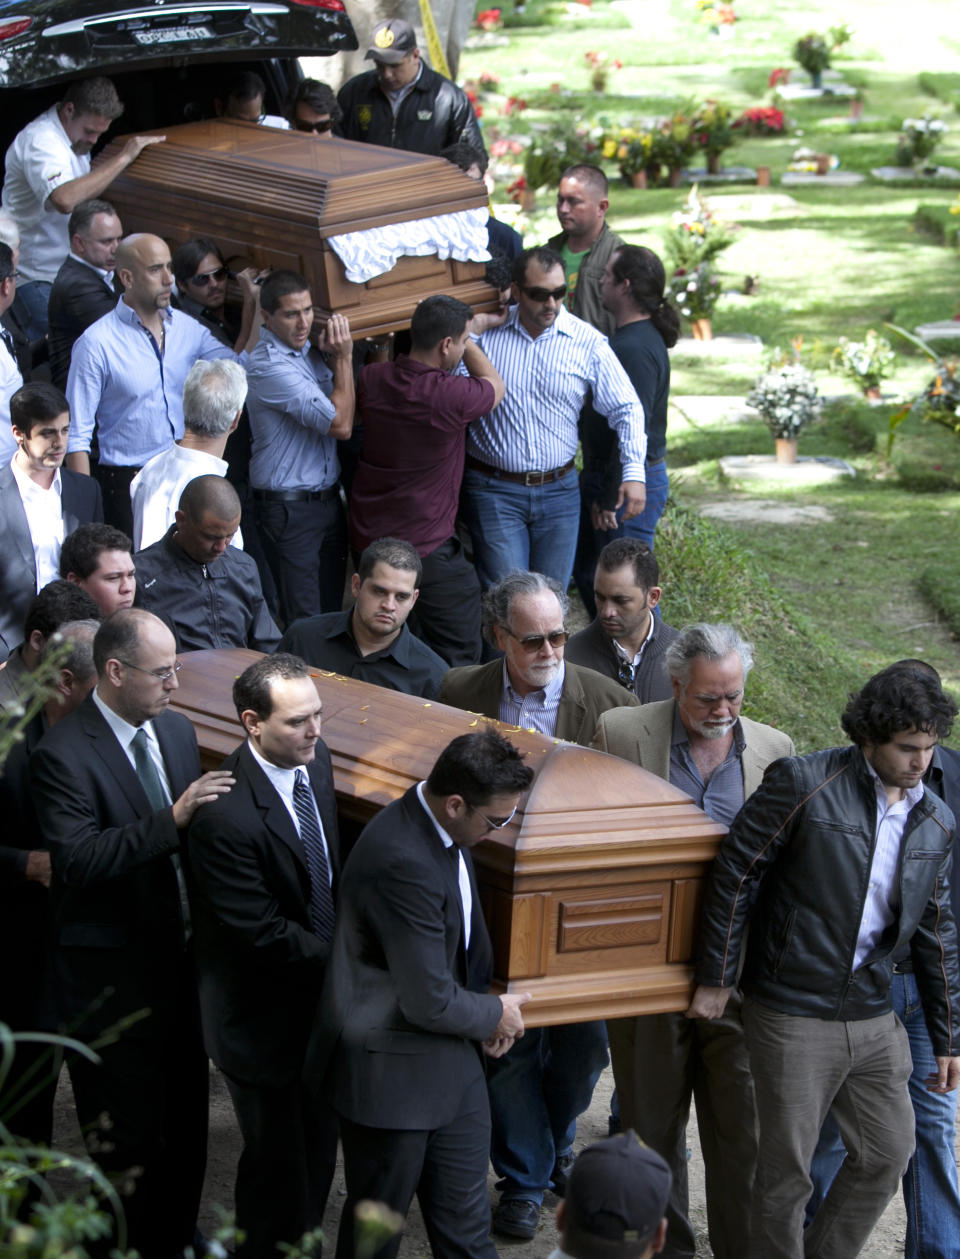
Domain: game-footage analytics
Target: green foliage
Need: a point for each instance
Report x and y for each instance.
(709, 575)
(940, 584)
(946, 87)
(936, 222)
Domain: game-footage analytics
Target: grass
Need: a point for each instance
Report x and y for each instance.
(830, 601)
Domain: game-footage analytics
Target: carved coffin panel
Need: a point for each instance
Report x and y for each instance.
(271, 198)
(591, 894)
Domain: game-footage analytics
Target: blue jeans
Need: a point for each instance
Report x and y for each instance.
(930, 1191)
(537, 1091)
(520, 527)
(590, 541)
(30, 307)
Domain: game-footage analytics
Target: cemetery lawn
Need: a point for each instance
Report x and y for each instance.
(871, 573)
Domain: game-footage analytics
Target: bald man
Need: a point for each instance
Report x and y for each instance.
(127, 373)
(206, 590)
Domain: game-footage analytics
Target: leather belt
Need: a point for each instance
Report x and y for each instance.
(538, 477)
(298, 496)
(904, 966)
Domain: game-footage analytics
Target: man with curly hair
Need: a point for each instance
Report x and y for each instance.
(839, 861)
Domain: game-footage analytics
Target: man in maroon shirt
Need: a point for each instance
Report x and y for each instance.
(415, 413)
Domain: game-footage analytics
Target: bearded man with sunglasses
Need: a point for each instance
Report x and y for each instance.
(522, 498)
(546, 1081)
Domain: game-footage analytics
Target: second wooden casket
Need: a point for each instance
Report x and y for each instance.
(275, 198)
(592, 894)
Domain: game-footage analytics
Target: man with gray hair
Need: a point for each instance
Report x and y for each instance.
(546, 1081)
(213, 397)
(699, 742)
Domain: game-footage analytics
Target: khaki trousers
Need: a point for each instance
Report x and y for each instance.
(803, 1067)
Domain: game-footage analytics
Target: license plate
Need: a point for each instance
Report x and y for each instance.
(173, 34)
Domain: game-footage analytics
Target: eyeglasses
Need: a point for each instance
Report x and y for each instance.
(544, 295)
(161, 675)
(204, 278)
(534, 642)
(497, 823)
(324, 125)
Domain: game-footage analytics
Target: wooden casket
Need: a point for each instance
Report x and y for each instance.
(274, 199)
(592, 894)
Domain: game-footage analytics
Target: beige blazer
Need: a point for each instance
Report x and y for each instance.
(642, 735)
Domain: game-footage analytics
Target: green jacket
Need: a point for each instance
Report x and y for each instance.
(586, 298)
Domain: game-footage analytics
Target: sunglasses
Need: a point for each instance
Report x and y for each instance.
(324, 125)
(497, 823)
(534, 642)
(202, 280)
(544, 295)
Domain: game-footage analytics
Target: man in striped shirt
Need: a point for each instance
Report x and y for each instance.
(521, 495)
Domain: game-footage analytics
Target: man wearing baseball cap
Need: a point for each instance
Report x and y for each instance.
(615, 1201)
(402, 103)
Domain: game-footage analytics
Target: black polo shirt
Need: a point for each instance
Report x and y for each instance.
(326, 642)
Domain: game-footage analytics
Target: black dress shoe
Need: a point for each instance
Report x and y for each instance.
(561, 1170)
(515, 1217)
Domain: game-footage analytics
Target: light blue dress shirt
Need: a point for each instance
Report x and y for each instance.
(537, 710)
(121, 383)
(290, 417)
(547, 379)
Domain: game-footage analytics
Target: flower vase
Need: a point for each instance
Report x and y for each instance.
(638, 179)
(816, 79)
(675, 178)
(823, 163)
(713, 163)
(872, 392)
(856, 109)
(786, 448)
(528, 199)
(701, 329)
(763, 176)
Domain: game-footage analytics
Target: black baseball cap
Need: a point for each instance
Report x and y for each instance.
(616, 1197)
(391, 41)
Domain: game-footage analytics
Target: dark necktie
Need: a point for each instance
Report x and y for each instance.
(7, 339)
(147, 771)
(321, 897)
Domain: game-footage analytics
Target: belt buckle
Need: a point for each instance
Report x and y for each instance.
(532, 483)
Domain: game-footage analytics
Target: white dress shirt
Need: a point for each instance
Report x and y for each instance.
(44, 510)
(463, 878)
(283, 780)
(155, 491)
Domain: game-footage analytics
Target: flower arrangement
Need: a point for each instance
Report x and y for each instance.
(865, 362)
(761, 120)
(777, 76)
(601, 64)
(713, 130)
(695, 234)
(490, 20)
(716, 15)
(696, 291)
(940, 399)
(917, 140)
(787, 398)
(552, 148)
(812, 52)
(674, 144)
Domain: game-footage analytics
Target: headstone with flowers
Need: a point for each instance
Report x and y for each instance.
(694, 238)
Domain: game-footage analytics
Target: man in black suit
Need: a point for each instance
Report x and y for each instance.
(84, 288)
(262, 872)
(405, 1006)
(26, 1099)
(41, 502)
(115, 784)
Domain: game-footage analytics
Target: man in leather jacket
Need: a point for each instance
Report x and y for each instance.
(402, 103)
(838, 860)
